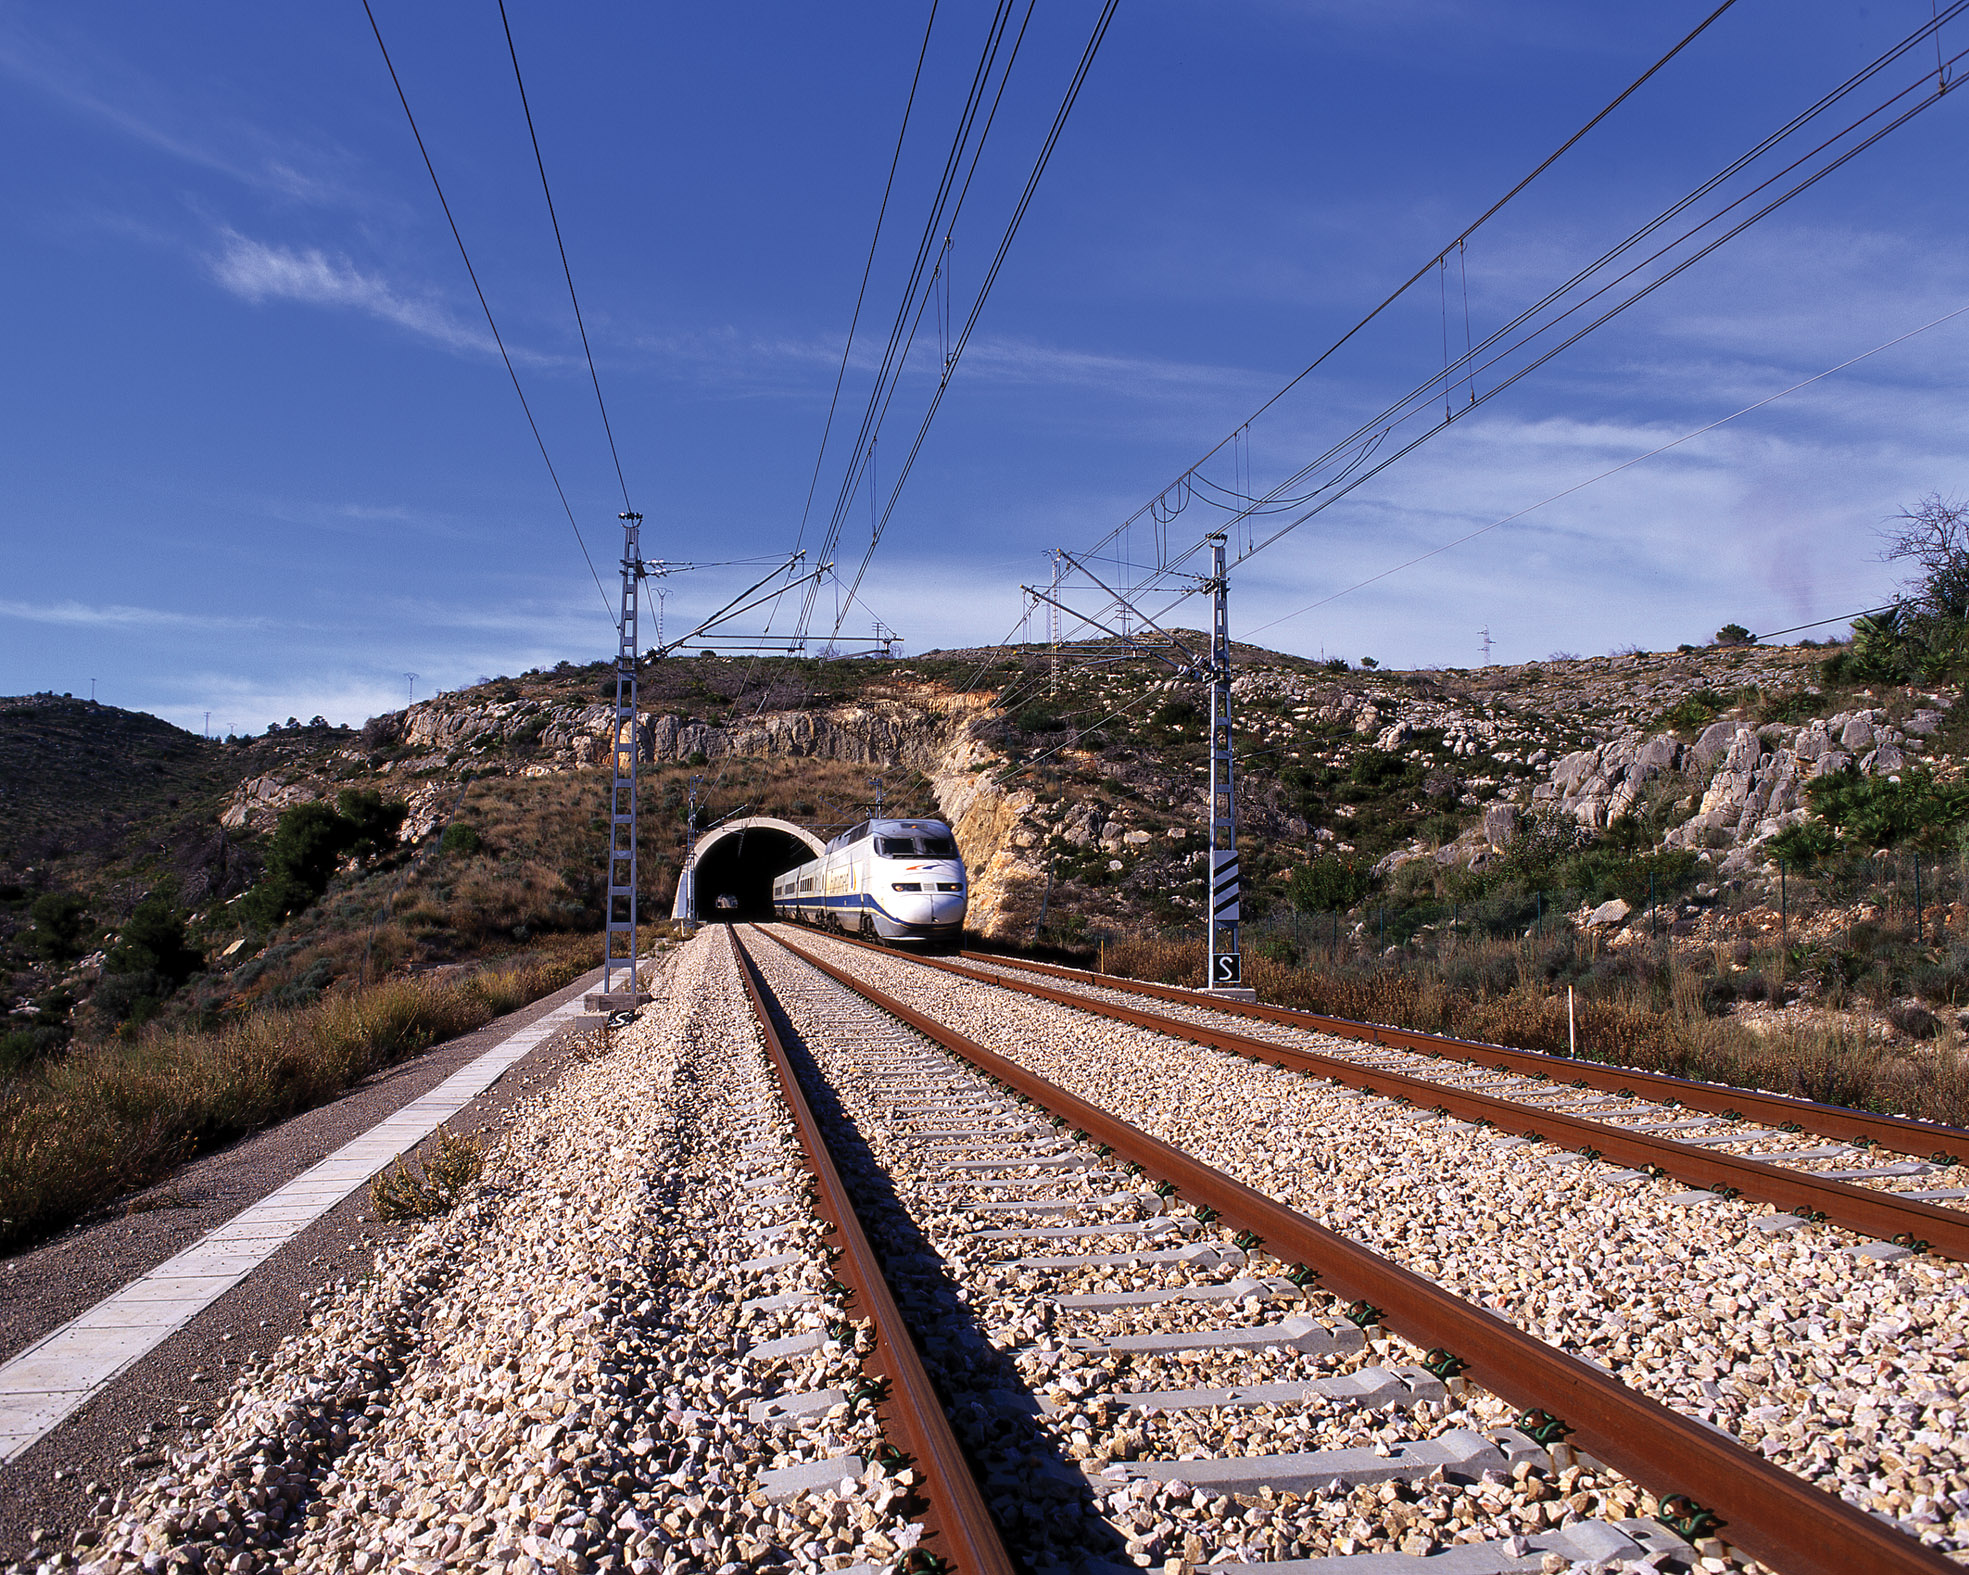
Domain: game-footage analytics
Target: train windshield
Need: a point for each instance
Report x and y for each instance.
(916, 847)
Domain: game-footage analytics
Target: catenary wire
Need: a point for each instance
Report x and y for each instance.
(991, 275)
(1424, 391)
(1418, 397)
(867, 267)
(926, 246)
(1614, 470)
(1482, 219)
(554, 218)
(484, 306)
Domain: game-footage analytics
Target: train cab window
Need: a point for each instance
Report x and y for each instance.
(916, 848)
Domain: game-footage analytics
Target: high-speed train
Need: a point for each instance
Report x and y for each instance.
(901, 880)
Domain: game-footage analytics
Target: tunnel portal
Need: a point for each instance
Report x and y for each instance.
(740, 862)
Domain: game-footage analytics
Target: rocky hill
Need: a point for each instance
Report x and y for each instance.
(1092, 782)
(1075, 791)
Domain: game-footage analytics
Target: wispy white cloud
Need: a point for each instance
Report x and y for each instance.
(77, 73)
(117, 616)
(257, 272)
(1026, 362)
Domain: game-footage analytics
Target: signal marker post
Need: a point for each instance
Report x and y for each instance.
(619, 929)
(1224, 963)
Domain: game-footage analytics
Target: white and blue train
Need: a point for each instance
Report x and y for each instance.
(901, 880)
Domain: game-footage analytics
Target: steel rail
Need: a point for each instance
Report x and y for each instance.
(1903, 1134)
(1778, 1518)
(957, 1526)
(1885, 1216)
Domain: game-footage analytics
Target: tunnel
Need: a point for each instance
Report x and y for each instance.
(740, 862)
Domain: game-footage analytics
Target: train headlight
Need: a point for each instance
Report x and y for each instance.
(950, 885)
(907, 885)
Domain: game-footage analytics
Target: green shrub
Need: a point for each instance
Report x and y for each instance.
(307, 844)
(1694, 711)
(150, 960)
(1329, 883)
(59, 922)
(461, 838)
(1878, 812)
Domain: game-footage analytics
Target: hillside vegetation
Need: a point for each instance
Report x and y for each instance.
(1739, 840)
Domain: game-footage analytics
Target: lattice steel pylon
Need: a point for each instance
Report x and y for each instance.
(1225, 970)
(619, 939)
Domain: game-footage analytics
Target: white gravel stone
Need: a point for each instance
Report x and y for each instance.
(1848, 1370)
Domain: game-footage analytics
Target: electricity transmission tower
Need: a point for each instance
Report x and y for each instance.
(1136, 632)
(619, 933)
(1225, 963)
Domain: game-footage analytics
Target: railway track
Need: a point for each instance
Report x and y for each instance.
(1940, 1144)
(1225, 1380)
(1733, 1142)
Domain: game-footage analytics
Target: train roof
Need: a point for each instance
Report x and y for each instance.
(884, 828)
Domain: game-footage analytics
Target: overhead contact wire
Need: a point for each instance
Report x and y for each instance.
(1481, 220)
(991, 276)
(567, 272)
(479, 290)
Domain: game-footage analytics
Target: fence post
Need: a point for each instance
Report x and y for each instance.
(1917, 899)
(1784, 906)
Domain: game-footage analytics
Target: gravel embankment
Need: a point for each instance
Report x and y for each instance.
(1877, 1169)
(1039, 1391)
(1849, 1371)
(554, 1375)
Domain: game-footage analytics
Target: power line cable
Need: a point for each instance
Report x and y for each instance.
(1614, 470)
(1370, 435)
(889, 367)
(867, 268)
(1482, 219)
(484, 306)
(990, 278)
(555, 219)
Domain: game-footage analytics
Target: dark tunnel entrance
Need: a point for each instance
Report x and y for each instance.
(741, 866)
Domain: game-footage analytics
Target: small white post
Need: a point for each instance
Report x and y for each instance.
(1572, 1028)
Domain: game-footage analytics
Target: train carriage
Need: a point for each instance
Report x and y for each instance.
(900, 880)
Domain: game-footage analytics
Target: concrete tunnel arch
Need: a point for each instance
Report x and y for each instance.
(741, 859)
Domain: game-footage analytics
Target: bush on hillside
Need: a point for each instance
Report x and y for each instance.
(1329, 883)
(59, 923)
(151, 959)
(307, 844)
(1880, 812)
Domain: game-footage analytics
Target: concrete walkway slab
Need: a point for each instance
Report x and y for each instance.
(52, 1377)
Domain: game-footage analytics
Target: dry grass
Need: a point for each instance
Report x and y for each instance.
(80, 1130)
(401, 1194)
(1811, 1059)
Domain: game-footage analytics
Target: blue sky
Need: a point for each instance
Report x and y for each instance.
(258, 457)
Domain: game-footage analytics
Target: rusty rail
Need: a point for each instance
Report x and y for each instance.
(1866, 1210)
(1776, 1517)
(957, 1527)
(1903, 1134)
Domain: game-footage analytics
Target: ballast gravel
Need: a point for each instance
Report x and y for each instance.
(1045, 1394)
(1934, 1179)
(1849, 1371)
(555, 1376)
